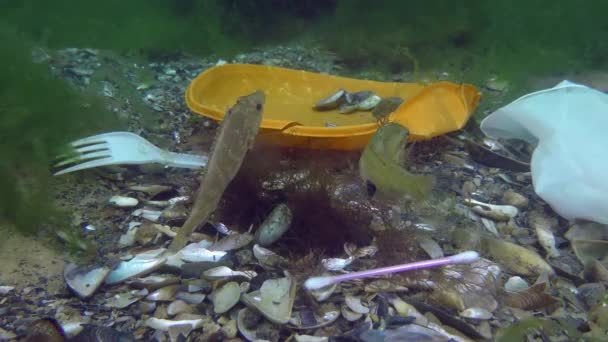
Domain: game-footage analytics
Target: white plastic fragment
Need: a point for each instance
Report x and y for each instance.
(568, 124)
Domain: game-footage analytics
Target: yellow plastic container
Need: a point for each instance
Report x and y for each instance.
(290, 120)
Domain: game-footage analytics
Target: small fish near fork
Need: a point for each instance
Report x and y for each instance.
(116, 148)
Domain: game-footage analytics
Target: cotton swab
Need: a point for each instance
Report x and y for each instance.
(467, 257)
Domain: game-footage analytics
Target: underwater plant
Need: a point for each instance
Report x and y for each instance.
(39, 115)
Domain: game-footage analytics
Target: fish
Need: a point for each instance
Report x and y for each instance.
(236, 137)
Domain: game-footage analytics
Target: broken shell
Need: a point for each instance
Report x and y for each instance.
(431, 247)
(323, 293)
(531, 299)
(164, 294)
(405, 309)
(543, 227)
(154, 282)
(274, 226)
(329, 316)
(232, 241)
(267, 257)
(516, 284)
(587, 250)
(349, 314)
(476, 313)
(168, 203)
(225, 297)
(248, 323)
(595, 271)
(222, 228)
(140, 265)
(332, 101)
(6, 289)
(151, 190)
(336, 264)
(165, 324)
(495, 212)
(190, 298)
(165, 230)
(122, 300)
(310, 338)
(194, 252)
(274, 299)
(123, 201)
(518, 259)
(177, 307)
(353, 251)
(84, 280)
(221, 272)
(490, 226)
(369, 103)
(515, 199)
(383, 285)
(587, 230)
(150, 215)
(354, 303)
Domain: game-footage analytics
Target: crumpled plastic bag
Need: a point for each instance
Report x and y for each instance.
(569, 124)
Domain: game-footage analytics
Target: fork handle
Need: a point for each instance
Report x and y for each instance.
(183, 160)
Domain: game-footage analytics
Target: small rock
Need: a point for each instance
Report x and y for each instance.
(515, 199)
(468, 188)
(592, 293)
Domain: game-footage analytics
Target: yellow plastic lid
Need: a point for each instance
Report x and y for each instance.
(290, 120)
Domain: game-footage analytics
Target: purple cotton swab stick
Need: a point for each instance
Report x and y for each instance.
(467, 257)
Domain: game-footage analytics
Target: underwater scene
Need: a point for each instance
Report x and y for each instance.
(303, 170)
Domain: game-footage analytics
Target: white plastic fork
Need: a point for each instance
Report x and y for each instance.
(116, 148)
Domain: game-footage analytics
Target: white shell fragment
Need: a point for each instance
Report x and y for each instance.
(150, 215)
(544, 233)
(123, 201)
(354, 303)
(165, 324)
(122, 300)
(476, 313)
(190, 298)
(495, 212)
(177, 307)
(164, 294)
(267, 257)
(225, 297)
(321, 294)
(195, 253)
(516, 284)
(336, 264)
(349, 314)
(168, 203)
(6, 289)
(274, 299)
(222, 272)
(140, 265)
(431, 247)
(84, 280)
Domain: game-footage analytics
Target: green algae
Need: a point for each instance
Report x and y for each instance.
(39, 115)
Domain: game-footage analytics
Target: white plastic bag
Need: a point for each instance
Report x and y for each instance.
(569, 166)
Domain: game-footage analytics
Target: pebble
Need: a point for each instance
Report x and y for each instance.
(515, 199)
(123, 201)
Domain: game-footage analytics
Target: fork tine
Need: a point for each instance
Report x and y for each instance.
(92, 148)
(84, 157)
(94, 139)
(85, 165)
